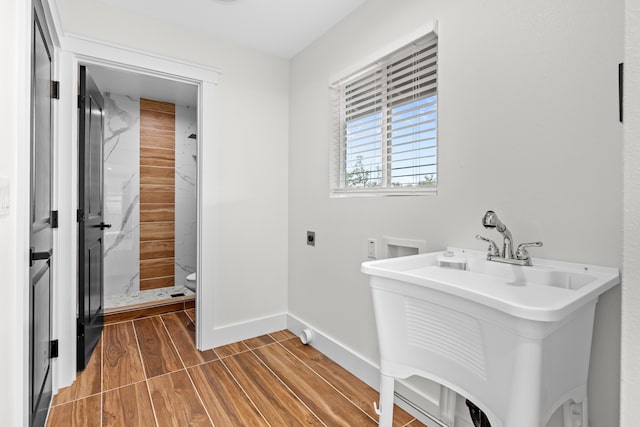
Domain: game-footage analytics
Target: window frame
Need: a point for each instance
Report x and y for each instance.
(338, 170)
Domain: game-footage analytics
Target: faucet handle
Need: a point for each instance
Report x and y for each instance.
(493, 248)
(522, 253)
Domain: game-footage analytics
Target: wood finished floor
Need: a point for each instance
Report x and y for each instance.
(147, 372)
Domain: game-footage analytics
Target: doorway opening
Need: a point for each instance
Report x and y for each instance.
(140, 67)
(150, 159)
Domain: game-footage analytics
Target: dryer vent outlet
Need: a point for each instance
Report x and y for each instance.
(306, 336)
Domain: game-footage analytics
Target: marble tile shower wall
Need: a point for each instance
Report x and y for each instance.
(122, 195)
(186, 173)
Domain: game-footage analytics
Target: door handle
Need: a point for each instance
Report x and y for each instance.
(38, 256)
(102, 226)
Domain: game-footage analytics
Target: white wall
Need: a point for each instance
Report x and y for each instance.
(250, 174)
(528, 127)
(630, 375)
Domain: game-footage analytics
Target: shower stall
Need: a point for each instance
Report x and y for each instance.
(150, 198)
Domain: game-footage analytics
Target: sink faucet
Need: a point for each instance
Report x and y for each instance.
(521, 257)
(490, 220)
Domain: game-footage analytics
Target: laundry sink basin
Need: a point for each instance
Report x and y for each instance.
(515, 340)
(546, 291)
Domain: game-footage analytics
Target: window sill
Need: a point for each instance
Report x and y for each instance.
(383, 192)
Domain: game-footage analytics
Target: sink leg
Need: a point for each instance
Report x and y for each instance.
(386, 401)
(585, 413)
(525, 404)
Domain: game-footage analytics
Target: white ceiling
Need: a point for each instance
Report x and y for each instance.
(142, 86)
(278, 27)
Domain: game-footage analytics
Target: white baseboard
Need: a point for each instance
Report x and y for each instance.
(250, 329)
(358, 365)
(368, 372)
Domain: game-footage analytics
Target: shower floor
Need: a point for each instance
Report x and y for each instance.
(145, 297)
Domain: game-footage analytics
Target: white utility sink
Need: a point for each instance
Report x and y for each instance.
(515, 340)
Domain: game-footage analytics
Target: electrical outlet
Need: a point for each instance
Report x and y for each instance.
(371, 248)
(311, 238)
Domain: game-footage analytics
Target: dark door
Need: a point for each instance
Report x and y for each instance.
(90, 217)
(41, 233)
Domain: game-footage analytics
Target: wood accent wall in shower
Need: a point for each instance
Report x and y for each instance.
(157, 194)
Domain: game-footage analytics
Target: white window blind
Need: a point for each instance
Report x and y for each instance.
(386, 124)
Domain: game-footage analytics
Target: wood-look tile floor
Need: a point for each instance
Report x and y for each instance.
(147, 372)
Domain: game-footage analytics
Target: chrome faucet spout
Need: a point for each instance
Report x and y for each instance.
(491, 220)
(521, 257)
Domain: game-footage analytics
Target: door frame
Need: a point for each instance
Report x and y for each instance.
(84, 51)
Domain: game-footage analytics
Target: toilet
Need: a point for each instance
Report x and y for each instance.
(190, 283)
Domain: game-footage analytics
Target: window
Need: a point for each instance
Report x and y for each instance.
(385, 120)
